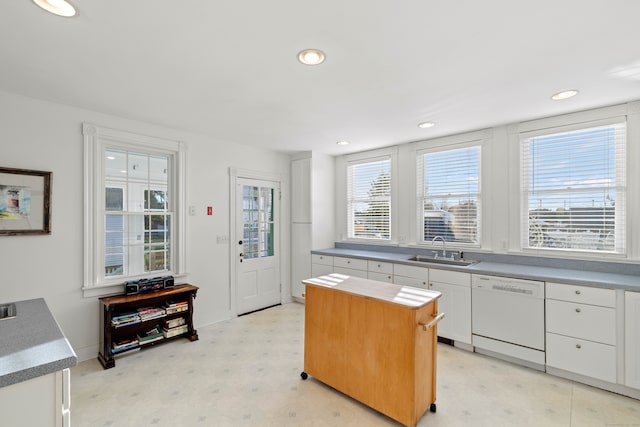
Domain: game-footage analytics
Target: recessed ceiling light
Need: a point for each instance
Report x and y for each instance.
(342, 142)
(565, 94)
(311, 57)
(111, 158)
(57, 7)
(426, 125)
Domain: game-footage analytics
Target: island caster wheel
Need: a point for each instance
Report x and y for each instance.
(304, 375)
(432, 407)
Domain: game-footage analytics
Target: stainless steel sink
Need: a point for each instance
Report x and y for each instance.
(7, 311)
(447, 261)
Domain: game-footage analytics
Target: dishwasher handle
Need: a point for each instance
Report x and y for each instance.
(432, 323)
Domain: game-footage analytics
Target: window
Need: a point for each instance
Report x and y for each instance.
(133, 215)
(573, 189)
(449, 195)
(369, 198)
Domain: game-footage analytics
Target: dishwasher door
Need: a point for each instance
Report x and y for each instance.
(508, 310)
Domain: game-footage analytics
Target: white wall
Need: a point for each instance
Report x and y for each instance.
(45, 136)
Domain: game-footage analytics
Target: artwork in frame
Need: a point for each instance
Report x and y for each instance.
(25, 202)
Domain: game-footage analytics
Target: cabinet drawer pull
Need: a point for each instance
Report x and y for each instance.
(578, 346)
(578, 292)
(578, 310)
(378, 265)
(432, 323)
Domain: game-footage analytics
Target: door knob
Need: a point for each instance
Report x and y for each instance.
(241, 253)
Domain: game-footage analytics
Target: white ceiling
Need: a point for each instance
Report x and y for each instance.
(228, 69)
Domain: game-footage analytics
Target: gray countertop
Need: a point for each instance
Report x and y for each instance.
(517, 271)
(32, 344)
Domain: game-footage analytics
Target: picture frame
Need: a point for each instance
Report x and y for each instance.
(25, 202)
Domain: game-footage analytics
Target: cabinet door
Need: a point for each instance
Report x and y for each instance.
(318, 270)
(455, 303)
(301, 190)
(632, 339)
(300, 257)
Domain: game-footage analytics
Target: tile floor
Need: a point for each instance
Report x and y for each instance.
(246, 372)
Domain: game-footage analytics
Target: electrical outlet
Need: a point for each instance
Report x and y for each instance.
(192, 210)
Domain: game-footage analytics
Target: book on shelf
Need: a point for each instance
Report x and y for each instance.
(151, 335)
(168, 333)
(125, 345)
(176, 306)
(173, 323)
(125, 319)
(148, 313)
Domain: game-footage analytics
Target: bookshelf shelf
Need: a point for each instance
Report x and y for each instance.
(131, 322)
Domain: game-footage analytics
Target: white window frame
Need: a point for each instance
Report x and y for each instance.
(391, 154)
(438, 148)
(97, 140)
(621, 217)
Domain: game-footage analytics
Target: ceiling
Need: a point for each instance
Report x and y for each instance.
(228, 69)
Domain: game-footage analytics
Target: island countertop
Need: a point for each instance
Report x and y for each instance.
(32, 344)
(388, 292)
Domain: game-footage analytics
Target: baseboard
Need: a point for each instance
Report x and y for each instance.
(605, 385)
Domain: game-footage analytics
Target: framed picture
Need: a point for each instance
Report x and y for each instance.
(25, 202)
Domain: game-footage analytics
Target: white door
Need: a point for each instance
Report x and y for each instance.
(257, 255)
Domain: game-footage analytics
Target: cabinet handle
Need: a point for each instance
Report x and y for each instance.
(432, 323)
(378, 265)
(577, 292)
(578, 310)
(348, 262)
(578, 346)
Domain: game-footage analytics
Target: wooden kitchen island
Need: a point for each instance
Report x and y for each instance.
(373, 341)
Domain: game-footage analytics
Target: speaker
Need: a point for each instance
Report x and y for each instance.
(131, 288)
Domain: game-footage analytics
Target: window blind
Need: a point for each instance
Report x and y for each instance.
(449, 194)
(574, 189)
(369, 199)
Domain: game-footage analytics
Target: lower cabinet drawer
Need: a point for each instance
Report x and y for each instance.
(584, 321)
(350, 272)
(411, 281)
(381, 277)
(582, 357)
(353, 263)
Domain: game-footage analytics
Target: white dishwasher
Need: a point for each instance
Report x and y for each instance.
(507, 318)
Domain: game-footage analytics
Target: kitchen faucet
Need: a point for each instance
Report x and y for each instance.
(444, 251)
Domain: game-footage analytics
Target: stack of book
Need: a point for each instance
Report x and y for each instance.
(174, 327)
(148, 313)
(176, 307)
(125, 319)
(153, 334)
(125, 345)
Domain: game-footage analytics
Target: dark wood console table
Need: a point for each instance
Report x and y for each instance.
(133, 322)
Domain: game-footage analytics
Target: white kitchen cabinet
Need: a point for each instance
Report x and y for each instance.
(350, 266)
(41, 401)
(410, 275)
(321, 265)
(381, 271)
(455, 302)
(312, 215)
(581, 330)
(632, 339)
